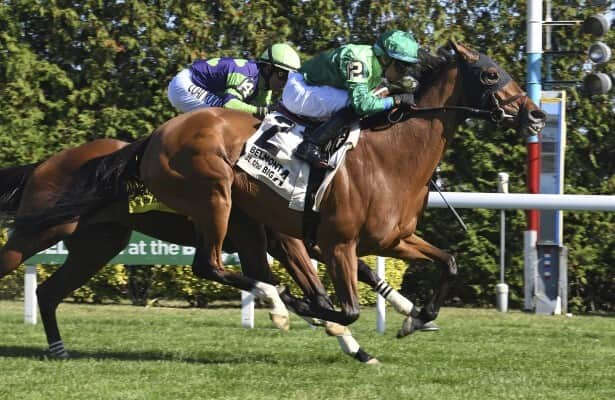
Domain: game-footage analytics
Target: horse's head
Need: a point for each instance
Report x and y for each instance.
(487, 86)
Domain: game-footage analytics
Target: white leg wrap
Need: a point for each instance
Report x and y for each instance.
(314, 322)
(348, 344)
(269, 293)
(401, 304)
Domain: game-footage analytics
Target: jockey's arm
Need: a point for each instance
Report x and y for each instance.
(236, 104)
(364, 102)
(357, 67)
(238, 91)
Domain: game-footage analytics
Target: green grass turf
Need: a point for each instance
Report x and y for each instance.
(125, 352)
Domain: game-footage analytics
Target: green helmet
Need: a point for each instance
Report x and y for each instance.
(398, 45)
(282, 56)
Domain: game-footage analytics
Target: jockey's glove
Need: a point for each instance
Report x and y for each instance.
(262, 111)
(404, 99)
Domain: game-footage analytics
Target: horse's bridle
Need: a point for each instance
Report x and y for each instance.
(490, 107)
(496, 113)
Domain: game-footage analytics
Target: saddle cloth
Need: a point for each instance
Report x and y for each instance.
(268, 157)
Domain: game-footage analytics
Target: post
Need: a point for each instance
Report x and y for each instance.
(247, 305)
(380, 302)
(247, 309)
(30, 302)
(501, 289)
(534, 88)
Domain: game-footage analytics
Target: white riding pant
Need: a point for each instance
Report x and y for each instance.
(185, 95)
(319, 102)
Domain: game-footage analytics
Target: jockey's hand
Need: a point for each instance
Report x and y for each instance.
(404, 99)
(381, 91)
(262, 111)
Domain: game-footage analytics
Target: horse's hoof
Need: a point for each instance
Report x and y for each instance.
(429, 327)
(335, 329)
(373, 361)
(314, 322)
(62, 356)
(411, 325)
(280, 321)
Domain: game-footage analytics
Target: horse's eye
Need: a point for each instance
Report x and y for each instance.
(489, 77)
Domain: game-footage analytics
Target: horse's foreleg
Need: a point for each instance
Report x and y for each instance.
(342, 268)
(415, 248)
(448, 275)
(89, 250)
(401, 304)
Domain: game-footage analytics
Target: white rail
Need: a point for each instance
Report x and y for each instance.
(500, 201)
(523, 201)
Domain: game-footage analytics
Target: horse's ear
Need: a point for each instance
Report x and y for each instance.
(447, 51)
(452, 45)
(469, 54)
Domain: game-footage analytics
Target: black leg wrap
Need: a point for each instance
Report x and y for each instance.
(383, 288)
(362, 356)
(428, 313)
(415, 312)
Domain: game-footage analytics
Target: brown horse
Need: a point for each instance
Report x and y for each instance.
(94, 240)
(372, 206)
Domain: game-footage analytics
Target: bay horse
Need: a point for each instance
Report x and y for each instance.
(94, 240)
(371, 207)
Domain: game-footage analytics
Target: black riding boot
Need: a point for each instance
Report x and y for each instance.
(310, 149)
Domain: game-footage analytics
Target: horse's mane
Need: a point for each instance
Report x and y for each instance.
(430, 66)
(433, 62)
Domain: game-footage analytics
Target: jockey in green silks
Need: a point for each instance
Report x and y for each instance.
(338, 84)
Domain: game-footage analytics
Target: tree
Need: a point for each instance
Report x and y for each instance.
(71, 72)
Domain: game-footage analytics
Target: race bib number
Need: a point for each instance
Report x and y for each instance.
(355, 70)
(246, 88)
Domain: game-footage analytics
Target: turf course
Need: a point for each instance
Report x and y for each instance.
(125, 352)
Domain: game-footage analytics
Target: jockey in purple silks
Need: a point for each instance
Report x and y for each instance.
(238, 84)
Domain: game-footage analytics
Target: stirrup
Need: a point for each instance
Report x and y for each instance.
(311, 153)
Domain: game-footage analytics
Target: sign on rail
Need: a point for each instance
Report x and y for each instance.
(143, 249)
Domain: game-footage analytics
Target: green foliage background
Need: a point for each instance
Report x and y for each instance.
(71, 72)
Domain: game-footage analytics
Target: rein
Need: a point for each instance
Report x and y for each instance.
(496, 115)
(475, 112)
(450, 207)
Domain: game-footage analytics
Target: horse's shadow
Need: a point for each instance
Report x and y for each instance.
(207, 358)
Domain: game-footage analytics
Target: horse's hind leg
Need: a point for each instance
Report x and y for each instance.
(293, 255)
(22, 245)
(89, 250)
(208, 264)
(250, 240)
(250, 243)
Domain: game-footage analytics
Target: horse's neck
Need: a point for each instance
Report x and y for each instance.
(425, 137)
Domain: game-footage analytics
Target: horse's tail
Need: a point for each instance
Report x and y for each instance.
(12, 183)
(96, 183)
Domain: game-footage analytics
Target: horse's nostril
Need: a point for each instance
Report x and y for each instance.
(538, 115)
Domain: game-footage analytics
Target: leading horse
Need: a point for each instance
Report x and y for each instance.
(372, 205)
(95, 239)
